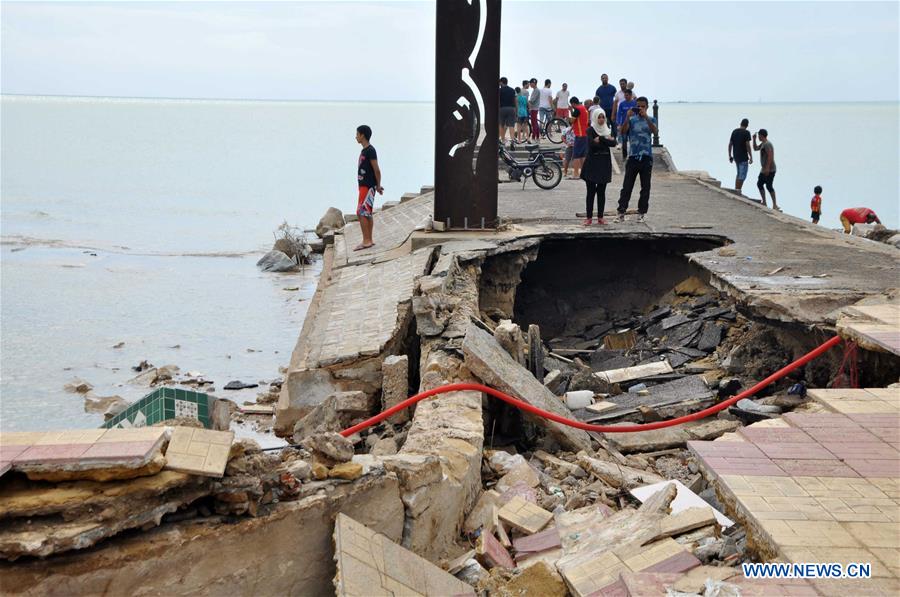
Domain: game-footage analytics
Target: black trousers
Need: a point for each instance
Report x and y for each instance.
(634, 168)
(595, 190)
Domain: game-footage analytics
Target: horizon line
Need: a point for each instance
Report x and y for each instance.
(398, 101)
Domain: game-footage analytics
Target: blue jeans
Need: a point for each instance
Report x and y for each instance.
(545, 114)
(742, 170)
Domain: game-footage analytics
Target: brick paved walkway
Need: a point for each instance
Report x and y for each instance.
(359, 309)
(391, 229)
(819, 487)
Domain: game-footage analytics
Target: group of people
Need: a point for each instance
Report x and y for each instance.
(740, 154)
(612, 117)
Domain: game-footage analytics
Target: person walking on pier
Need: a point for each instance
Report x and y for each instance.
(368, 175)
(815, 205)
(638, 128)
(767, 164)
(857, 215)
(534, 101)
(739, 152)
(597, 170)
(607, 94)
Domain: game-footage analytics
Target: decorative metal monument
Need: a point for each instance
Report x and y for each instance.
(467, 70)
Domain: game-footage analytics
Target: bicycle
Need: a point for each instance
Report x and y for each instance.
(552, 129)
(545, 173)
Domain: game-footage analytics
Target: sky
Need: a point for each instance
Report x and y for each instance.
(674, 51)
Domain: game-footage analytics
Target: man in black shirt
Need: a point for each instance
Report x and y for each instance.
(368, 175)
(739, 152)
(507, 109)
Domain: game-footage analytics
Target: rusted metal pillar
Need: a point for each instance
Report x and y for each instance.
(466, 107)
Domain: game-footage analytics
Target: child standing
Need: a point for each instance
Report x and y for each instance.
(569, 140)
(816, 204)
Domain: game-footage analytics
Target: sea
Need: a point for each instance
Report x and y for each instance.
(130, 228)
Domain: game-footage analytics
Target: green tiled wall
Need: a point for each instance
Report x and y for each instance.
(159, 405)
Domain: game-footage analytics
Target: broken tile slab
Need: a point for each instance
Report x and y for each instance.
(490, 553)
(487, 360)
(617, 475)
(199, 451)
(20, 438)
(674, 320)
(686, 521)
(639, 584)
(369, 564)
(705, 449)
(710, 336)
(257, 409)
(822, 420)
(684, 499)
(524, 516)
(538, 542)
(695, 580)
(684, 390)
(480, 515)
(520, 489)
(633, 373)
(599, 571)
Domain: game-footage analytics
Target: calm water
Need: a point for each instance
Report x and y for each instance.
(179, 198)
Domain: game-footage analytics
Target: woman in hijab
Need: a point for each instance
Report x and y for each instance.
(597, 169)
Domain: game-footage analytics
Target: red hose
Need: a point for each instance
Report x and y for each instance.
(460, 387)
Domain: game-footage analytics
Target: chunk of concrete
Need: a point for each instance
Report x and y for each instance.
(414, 470)
(521, 473)
(332, 219)
(509, 336)
(487, 360)
(370, 564)
(395, 386)
(329, 448)
(336, 413)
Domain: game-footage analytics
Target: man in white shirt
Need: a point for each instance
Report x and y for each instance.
(618, 99)
(562, 101)
(546, 104)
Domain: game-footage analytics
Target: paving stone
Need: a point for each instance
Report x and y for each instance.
(815, 468)
(199, 451)
(874, 468)
(732, 450)
(875, 450)
(759, 467)
(775, 435)
(369, 564)
(798, 451)
(490, 553)
(525, 516)
(819, 420)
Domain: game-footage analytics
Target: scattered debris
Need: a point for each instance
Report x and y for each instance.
(239, 385)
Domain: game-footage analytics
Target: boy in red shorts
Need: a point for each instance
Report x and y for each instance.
(815, 205)
(369, 177)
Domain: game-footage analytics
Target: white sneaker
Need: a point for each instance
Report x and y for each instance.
(641, 218)
(620, 218)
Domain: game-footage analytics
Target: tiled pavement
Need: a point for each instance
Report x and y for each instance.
(392, 228)
(199, 451)
(359, 309)
(873, 326)
(99, 447)
(370, 564)
(825, 488)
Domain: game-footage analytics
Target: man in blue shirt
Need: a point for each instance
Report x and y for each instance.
(638, 127)
(606, 93)
(622, 113)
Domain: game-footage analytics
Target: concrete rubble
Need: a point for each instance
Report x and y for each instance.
(465, 494)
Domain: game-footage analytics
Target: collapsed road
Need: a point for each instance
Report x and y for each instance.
(463, 494)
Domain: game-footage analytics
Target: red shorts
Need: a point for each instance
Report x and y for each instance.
(366, 202)
(562, 112)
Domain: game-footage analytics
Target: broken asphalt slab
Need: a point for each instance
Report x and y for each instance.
(487, 360)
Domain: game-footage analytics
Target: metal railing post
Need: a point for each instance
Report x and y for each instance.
(656, 116)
